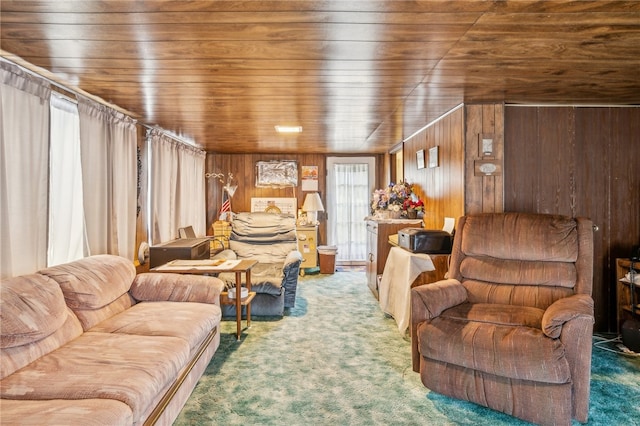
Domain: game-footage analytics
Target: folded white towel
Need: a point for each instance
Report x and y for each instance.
(636, 277)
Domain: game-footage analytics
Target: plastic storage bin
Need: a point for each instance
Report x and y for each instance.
(327, 255)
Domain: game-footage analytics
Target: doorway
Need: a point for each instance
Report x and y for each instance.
(350, 182)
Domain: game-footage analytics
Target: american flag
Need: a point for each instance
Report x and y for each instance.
(225, 210)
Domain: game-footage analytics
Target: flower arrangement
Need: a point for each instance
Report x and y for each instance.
(397, 198)
(413, 203)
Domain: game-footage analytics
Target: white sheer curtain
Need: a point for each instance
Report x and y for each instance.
(124, 175)
(24, 171)
(163, 184)
(351, 195)
(66, 214)
(191, 196)
(109, 167)
(176, 180)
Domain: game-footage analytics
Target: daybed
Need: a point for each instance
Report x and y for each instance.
(91, 343)
(269, 238)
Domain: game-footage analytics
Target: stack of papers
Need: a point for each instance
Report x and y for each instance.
(202, 264)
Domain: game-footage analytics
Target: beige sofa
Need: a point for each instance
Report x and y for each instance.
(91, 343)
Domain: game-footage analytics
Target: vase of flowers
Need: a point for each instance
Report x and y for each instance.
(413, 206)
(393, 201)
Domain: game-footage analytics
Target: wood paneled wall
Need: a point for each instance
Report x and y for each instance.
(243, 166)
(484, 192)
(442, 187)
(579, 162)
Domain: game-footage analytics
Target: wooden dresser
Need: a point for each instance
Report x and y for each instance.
(378, 232)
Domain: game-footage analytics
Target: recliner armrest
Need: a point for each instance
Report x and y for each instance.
(564, 310)
(429, 301)
(292, 257)
(291, 269)
(226, 254)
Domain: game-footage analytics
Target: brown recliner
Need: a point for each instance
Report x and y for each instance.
(510, 327)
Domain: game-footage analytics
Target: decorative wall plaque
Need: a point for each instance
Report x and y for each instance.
(487, 168)
(277, 174)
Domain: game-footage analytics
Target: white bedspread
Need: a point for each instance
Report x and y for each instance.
(400, 271)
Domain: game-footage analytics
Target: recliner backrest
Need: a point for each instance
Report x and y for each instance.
(522, 258)
(265, 237)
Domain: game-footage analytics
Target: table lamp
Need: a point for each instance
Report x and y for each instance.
(312, 205)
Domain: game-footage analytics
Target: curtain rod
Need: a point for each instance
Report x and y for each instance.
(167, 133)
(50, 78)
(26, 67)
(42, 73)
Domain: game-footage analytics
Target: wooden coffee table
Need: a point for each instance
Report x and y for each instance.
(242, 267)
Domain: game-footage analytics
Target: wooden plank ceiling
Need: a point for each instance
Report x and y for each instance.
(359, 76)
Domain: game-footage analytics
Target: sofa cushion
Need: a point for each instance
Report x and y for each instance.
(166, 287)
(85, 412)
(93, 282)
(128, 368)
(14, 358)
(515, 352)
(96, 287)
(188, 321)
(31, 308)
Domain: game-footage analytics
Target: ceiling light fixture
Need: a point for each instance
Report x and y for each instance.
(289, 129)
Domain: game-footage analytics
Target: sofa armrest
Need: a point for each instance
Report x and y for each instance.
(564, 310)
(429, 301)
(157, 286)
(291, 270)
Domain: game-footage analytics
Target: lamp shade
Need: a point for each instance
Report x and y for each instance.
(313, 203)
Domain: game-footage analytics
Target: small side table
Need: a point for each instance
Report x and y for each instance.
(244, 266)
(307, 246)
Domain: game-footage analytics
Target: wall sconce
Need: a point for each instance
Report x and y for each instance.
(312, 205)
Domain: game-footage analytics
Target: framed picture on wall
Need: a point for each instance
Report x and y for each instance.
(433, 157)
(420, 158)
(276, 174)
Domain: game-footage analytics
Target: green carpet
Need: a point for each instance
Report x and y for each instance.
(336, 359)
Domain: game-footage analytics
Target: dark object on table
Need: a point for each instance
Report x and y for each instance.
(430, 241)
